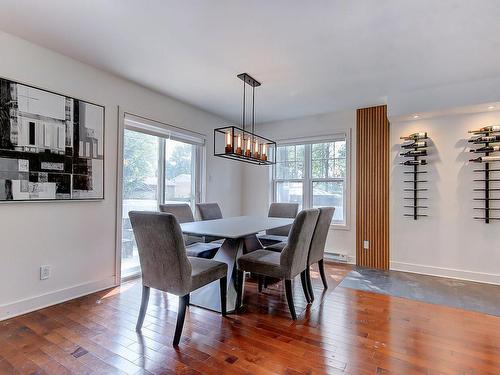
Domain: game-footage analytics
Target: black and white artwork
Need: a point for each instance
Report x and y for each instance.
(51, 145)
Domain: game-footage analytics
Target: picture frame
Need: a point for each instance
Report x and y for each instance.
(51, 145)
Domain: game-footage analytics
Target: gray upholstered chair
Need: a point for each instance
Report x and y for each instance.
(195, 246)
(181, 211)
(317, 250)
(166, 267)
(210, 211)
(277, 235)
(291, 262)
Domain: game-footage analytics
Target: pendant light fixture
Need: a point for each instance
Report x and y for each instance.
(238, 143)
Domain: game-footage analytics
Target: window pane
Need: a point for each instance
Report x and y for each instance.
(340, 150)
(179, 172)
(289, 192)
(140, 169)
(328, 159)
(339, 169)
(331, 194)
(140, 189)
(290, 162)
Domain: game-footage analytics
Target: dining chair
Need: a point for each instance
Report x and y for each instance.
(181, 211)
(317, 250)
(195, 246)
(286, 265)
(166, 267)
(277, 235)
(210, 211)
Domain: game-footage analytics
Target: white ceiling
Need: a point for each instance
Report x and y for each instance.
(311, 56)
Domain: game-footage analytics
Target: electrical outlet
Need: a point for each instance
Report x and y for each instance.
(44, 272)
(366, 244)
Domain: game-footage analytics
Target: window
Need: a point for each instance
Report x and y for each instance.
(313, 174)
(158, 167)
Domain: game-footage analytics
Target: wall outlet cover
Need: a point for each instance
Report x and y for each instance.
(366, 244)
(44, 272)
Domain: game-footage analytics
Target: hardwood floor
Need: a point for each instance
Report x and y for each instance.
(343, 332)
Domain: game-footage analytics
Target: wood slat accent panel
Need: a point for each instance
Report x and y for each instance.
(372, 187)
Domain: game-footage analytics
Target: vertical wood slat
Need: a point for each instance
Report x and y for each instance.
(372, 187)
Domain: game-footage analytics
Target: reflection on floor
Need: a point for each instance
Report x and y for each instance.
(468, 295)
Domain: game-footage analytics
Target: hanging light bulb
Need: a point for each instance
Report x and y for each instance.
(264, 152)
(248, 151)
(229, 143)
(256, 154)
(238, 145)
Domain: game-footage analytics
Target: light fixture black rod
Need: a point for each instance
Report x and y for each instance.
(243, 120)
(253, 109)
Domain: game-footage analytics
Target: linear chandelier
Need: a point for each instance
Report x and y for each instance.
(237, 143)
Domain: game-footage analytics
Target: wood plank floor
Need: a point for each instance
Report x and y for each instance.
(343, 332)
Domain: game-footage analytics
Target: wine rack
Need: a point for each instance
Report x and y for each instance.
(414, 150)
(488, 140)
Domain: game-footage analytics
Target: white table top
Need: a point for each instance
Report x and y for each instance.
(234, 227)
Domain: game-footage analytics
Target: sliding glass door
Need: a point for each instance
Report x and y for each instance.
(156, 169)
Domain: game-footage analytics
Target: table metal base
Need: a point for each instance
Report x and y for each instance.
(208, 296)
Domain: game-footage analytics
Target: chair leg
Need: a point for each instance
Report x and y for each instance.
(181, 314)
(309, 283)
(261, 283)
(144, 306)
(239, 292)
(289, 298)
(223, 297)
(321, 267)
(303, 281)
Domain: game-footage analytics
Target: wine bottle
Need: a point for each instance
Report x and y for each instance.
(486, 149)
(491, 128)
(485, 159)
(485, 139)
(415, 136)
(414, 144)
(414, 162)
(414, 153)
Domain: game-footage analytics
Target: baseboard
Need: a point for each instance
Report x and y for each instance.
(481, 277)
(339, 258)
(27, 305)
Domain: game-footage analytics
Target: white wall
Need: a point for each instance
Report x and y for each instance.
(78, 238)
(449, 242)
(256, 186)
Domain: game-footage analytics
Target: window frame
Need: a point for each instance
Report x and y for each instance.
(307, 180)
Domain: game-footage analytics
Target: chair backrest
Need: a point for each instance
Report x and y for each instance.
(293, 259)
(209, 211)
(320, 233)
(181, 211)
(283, 210)
(164, 263)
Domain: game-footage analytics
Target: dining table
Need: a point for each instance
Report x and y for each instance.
(240, 237)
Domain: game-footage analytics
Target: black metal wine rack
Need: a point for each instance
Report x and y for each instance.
(489, 193)
(414, 176)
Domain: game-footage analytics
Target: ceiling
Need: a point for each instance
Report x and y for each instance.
(311, 56)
